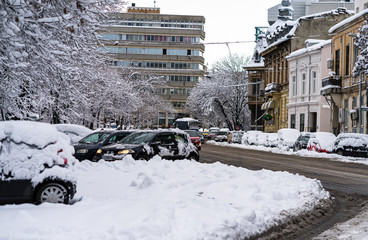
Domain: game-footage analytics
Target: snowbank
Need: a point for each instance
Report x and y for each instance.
(161, 199)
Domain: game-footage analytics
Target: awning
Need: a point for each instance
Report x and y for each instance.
(263, 107)
(271, 104)
(268, 105)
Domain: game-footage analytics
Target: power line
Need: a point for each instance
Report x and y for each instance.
(227, 42)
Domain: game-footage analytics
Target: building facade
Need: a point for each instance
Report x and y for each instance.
(347, 93)
(309, 7)
(159, 44)
(283, 37)
(360, 5)
(308, 111)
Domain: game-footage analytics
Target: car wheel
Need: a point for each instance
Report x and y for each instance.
(142, 158)
(340, 152)
(95, 158)
(52, 193)
(193, 157)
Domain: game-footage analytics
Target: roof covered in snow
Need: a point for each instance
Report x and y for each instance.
(314, 47)
(348, 20)
(282, 31)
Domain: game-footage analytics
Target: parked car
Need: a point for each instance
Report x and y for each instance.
(252, 137)
(195, 137)
(35, 164)
(73, 131)
(263, 139)
(222, 135)
(87, 147)
(235, 136)
(272, 139)
(351, 144)
(286, 138)
(302, 141)
(142, 145)
(321, 142)
(213, 133)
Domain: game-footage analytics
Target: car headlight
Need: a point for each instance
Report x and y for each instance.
(82, 151)
(99, 151)
(126, 151)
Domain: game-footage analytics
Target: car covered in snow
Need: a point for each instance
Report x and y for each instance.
(286, 138)
(235, 136)
(321, 142)
(87, 147)
(36, 164)
(169, 144)
(73, 131)
(251, 137)
(351, 144)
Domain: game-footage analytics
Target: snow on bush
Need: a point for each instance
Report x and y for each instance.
(30, 148)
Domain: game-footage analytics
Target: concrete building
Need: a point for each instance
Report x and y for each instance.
(360, 5)
(308, 111)
(347, 94)
(159, 44)
(308, 7)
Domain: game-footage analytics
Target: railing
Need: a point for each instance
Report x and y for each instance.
(331, 81)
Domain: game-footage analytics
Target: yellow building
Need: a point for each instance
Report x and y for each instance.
(347, 93)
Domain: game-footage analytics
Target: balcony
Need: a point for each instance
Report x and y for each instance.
(331, 85)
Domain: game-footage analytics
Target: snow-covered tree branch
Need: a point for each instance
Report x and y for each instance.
(222, 97)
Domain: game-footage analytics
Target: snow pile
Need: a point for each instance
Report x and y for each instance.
(27, 148)
(160, 199)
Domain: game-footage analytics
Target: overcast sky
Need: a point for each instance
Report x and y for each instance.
(226, 21)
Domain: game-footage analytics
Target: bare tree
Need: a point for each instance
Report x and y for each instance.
(223, 95)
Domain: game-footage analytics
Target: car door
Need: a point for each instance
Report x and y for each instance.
(165, 145)
(14, 190)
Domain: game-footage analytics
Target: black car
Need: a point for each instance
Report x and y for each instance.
(87, 147)
(143, 145)
(302, 141)
(351, 144)
(35, 164)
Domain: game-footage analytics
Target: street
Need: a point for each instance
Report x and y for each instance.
(347, 182)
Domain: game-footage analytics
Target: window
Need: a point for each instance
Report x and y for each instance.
(294, 91)
(303, 83)
(356, 54)
(347, 57)
(346, 106)
(189, 52)
(164, 51)
(292, 121)
(314, 81)
(337, 62)
(301, 125)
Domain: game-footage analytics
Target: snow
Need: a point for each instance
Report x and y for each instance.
(312, 48)
(323, 140)
(27, 147)
(347, 21)
(73, 131)
(161, 199)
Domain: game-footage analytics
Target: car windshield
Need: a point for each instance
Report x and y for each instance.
(192, 133)
(305, 139)
(95, 137)
(138, 138)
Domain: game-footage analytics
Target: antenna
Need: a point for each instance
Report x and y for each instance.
(154, 3)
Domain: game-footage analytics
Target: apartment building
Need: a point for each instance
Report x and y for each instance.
(160, 44)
